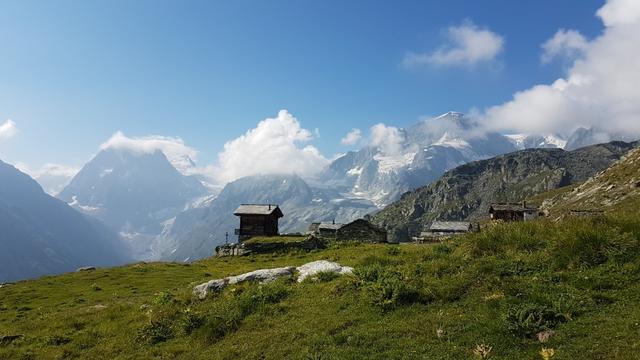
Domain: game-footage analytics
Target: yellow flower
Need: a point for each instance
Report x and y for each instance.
(482, 351)
(547, 353)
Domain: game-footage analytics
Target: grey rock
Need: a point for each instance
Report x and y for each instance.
(263, 276)
(85, 268)
(321, 266)
(268, 275)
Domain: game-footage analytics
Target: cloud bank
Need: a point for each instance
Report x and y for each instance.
(388, 139)
(599, 90)
(352, 137)
(274, 146)
(8, 129)
(565, 43)
(179, 154)
(467, 45)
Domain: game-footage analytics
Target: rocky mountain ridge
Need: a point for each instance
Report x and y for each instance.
(465, 192)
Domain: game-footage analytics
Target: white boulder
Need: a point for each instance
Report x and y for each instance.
(268, 275)
(321, 266)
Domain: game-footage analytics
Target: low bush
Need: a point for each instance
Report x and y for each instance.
(529, 319)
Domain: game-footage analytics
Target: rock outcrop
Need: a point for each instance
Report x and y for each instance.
(264, 276)
(322, 266)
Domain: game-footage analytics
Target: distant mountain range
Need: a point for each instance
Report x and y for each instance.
(132, 193)
(426, 150)
(41, 235)
(465, 192)
(163, 214)
(197, 231)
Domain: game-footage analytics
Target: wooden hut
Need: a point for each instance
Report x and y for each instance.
(257, 220)
(513, 211)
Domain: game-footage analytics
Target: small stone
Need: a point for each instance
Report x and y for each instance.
(545, 335)
(85, 268)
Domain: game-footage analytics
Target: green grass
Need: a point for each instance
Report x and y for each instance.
(579, 277)
(275, 239)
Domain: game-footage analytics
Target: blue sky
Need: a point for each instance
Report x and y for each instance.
(72, 73)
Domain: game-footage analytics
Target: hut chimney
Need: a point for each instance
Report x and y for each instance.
(334, 221)
(269, 207)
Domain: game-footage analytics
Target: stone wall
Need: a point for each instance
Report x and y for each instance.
(308, 244)
(361, 231)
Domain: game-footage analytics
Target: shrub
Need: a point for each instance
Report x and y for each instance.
(190, 321)
(393, 251)
(156, 331)
(386, 289)
(529, 319)
(164, 298)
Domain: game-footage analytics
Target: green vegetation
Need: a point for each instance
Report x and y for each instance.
(486, 294)
(275, 239)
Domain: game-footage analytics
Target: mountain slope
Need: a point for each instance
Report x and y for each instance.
(42, 235)
(196, 232)
(133, 193)
(467, 191)
(421, 154)
(616, 188)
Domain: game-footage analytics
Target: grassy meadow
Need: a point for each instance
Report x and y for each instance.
(484, 295)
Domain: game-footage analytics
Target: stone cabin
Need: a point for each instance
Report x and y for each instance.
(257, 220)
(513, 211)
(361, 230)
(325, 230)
(439, 230)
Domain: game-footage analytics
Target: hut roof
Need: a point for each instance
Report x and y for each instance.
(258, 209)
(511, 207)
(450, 226)
(329, 226)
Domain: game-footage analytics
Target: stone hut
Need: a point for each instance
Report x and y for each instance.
(362, 231)
(324, 230)
(439, 230)
(513, 211)
(257, 220)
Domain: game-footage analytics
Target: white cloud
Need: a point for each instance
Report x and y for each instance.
(274, 146)
(388, 139)
(52, 177)
(8, 129)
(620, 12)
(565, 43)
(467, 45)
(352, 137)
(600, 88)
(178, 153)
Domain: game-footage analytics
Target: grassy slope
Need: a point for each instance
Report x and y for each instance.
(581, 275)
(615, 189)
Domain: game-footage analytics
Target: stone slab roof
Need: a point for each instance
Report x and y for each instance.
(258, 209)
(450, 226)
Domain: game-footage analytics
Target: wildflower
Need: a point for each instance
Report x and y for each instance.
(547, 353)
(482, 351)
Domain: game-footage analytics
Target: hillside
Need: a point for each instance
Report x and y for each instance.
(42, 235)
(614, 189)
(466, 191)
(576, 282)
